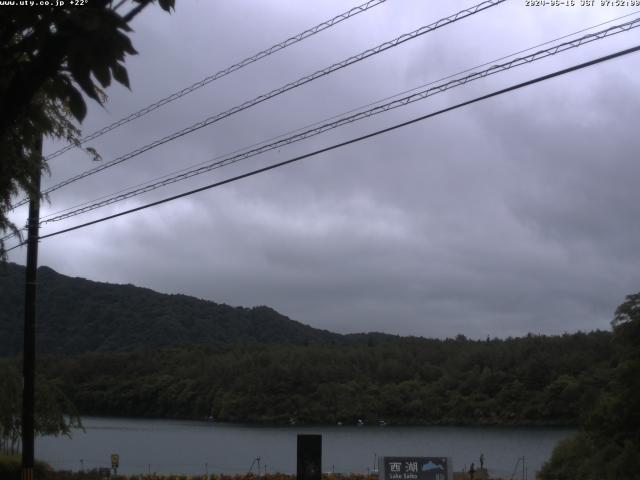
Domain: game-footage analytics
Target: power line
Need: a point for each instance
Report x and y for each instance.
(348, 142)
(222, 73)
(421, 95)
(250, 103)
(284, 135)
(244, 153)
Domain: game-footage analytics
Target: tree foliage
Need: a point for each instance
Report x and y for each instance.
(76, 315)
(49, 57)
(402, 381)
(254, 364)
(607, 447)
(54, 413)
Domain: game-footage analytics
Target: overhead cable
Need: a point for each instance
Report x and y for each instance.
(250, 103)
(348, 142)
(539, 55)
(222, 73)
(246, 152)
(333, 117)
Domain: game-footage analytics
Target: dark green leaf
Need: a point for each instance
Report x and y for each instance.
(101, 72)
(120, 74)
(76, 103)
(80, 74)
(167, 5)
(94, 153)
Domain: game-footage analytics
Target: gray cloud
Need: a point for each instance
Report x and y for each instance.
(512, 216)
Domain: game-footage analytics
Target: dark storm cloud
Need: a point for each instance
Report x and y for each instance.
(513, 216)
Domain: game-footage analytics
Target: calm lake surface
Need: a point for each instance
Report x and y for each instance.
(189, 447)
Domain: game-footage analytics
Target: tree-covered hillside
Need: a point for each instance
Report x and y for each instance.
(77, 315)
(124, 350)
(530, 380)
(607, 446)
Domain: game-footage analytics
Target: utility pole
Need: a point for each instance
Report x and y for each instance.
(29, 350)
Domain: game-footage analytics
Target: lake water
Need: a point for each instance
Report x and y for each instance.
(189, 447)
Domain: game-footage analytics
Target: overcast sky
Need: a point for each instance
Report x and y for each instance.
(516, 215)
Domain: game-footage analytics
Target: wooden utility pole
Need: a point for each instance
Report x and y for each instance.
(29, 350)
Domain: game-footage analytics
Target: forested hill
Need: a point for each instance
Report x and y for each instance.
(255, 365)
(534, 380)
(77, 315)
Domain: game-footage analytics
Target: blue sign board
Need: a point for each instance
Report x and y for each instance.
(416, 468)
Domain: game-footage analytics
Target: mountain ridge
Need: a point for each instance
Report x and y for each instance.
(77, 315)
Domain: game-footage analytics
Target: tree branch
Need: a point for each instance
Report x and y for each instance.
(136, 10)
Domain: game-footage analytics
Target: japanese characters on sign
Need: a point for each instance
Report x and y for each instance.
(415, 468)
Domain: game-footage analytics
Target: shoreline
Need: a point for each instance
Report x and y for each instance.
(268, 424)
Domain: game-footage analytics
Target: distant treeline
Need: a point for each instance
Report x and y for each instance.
(546, 380)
